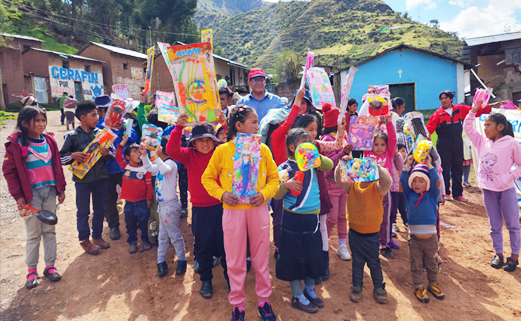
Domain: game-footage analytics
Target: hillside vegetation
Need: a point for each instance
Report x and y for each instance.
(339, 32)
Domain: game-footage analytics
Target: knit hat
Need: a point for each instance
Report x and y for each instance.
(330, 115)
(103, 101)
(421, 171)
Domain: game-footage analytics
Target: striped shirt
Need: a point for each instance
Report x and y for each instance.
(39, 163)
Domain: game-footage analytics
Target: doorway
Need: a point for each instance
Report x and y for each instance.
(77, 91)
(407, 92)
(40, 90)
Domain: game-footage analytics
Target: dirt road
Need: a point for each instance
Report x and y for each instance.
(118, 286)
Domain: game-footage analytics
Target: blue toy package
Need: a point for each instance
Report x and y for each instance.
(359, 170)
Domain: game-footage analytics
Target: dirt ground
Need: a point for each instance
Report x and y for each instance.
(118, 286)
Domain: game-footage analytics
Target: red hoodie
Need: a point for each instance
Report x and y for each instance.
(15, 169)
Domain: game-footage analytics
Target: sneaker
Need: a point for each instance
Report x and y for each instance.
(461, 199)
(386, 252)
(206, 289)
(101, 243)
(147, 245)
(89, 248)
(421, 294)
(393, 245)
(162, 269)
(184, 213)
(316, 301)
(396, 228)
(380, 295)
(510, 266)
(32, 283)
(467, 184)
(132, 248)
(237, 315)
(216, 261)
(51, 273)
(447, 197)
(181, 267)
(196, 267)
(266, 313)
(343, 252)
(434, 288)
(497, 262)
(309, 308)
(114, 233)
(356, 294)
(248, 264)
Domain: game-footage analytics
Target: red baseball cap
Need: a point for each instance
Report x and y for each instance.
(256, 72)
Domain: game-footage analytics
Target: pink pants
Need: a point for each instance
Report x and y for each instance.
(237, 225)
(337, 216)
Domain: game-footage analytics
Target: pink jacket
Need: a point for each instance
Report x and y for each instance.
(495, 171)
(397, 167)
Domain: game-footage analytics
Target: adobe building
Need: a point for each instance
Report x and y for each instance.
(121, 67)
(12, 66)
(48, 74)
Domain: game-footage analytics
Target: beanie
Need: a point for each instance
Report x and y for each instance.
(330, 115)
(421, 171)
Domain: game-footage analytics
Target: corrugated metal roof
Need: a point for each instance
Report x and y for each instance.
(121, 51)
(495, 38)
(231, 62)
(67, 55)
(20, 37)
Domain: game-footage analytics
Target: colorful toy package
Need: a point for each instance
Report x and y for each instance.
(320, 87)
(358, 170)
(195, 83)
(246, 166)
(421, 148)
(482, 97)
(166, 110)
(378, 104)
(361, 132)
(105, 138)
(309, 62)
(151, 136)
(307, 156)
(115, 113)
(150, 67)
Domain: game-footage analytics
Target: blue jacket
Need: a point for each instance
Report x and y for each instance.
(308, 201)
(269, 101)
(426, 212)
(113, 166)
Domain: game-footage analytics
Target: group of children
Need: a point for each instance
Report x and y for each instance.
(222, 226)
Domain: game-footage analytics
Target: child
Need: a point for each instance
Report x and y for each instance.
(498, 151)
(34, 176)
(365, 213)
(384, 147)
(169, 207)
(69, 106)
(94, 182)
(401, 202)
(302, 259)
(225, 98)
(338, 197)
(207, 211)
(467, 159)
(395, 189)
(136, 190)
(240, 220)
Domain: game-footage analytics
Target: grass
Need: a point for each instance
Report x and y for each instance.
(50, 43)
(5, 116)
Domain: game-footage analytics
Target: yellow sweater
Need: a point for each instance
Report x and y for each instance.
(364, 208)
(221, 166)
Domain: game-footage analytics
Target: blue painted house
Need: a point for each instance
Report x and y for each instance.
(417, 75)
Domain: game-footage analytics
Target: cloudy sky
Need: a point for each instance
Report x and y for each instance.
(470, 18)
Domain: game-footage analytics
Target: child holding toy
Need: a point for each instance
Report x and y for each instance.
(240, 220)
(34, 176)
(497, 152)
(303, 259)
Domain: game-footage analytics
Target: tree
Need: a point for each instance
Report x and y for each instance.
(434, 23)
(406, 15)
(219, 51)
(286, 67)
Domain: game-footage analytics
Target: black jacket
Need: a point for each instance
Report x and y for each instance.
(76, 141)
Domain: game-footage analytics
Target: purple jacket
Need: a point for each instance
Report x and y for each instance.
(335, 156)
(325, 202)
(15, 169)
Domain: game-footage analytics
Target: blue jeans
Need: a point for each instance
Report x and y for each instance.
(98, 189)
(136, 216)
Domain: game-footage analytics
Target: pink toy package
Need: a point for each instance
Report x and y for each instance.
(361, 132)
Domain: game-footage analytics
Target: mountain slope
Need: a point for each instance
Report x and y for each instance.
(340, 32)
(227, 7)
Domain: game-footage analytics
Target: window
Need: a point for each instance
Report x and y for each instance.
(125, 66)
(65, 64)
(513, 56)
(26, 48)
(87, 68)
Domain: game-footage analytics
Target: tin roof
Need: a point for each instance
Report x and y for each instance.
(494, 38)
(20, 37)
(118, 50)
(66, 56)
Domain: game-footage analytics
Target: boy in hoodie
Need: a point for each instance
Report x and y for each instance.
(94, 182)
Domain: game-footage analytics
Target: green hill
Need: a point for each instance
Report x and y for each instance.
(339, 32)
(228, 7)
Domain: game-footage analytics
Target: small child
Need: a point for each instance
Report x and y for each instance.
(34, 176)
(302, 259)
(136, 190)
(421, 189)
(401, 202)
(395, 190)
(69, 107)
(365, 214)
(169, 207)
(94, 182)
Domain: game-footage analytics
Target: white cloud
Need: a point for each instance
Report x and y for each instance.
(411, 4)
(484, 21)
(431, 6)
(461, 3)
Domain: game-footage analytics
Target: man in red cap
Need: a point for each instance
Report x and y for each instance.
(259, 99)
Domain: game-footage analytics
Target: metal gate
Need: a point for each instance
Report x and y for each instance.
(40, 90)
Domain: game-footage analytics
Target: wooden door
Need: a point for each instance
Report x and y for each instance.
(407, 92)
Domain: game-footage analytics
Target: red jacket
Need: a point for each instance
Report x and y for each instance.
(278, 137)
(15, 169)
(136, 185)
